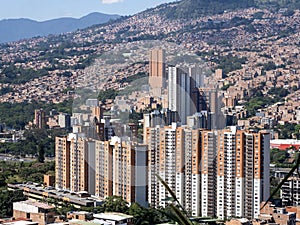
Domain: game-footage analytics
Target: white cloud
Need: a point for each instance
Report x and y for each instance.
(111, 1)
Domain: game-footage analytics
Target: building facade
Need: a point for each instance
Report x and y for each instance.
(157, 70)
(179, 90)
(39, 212)
(62, 163)
(39, 118)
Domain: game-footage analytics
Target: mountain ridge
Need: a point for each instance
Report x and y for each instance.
(222, 40)
(23, 28)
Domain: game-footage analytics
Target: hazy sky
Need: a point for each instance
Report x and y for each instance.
(49, 9)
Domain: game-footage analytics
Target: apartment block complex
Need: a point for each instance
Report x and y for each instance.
(216, 173)
(102, 168)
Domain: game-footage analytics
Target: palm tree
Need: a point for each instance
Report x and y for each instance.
(177, 212)
(285, 179)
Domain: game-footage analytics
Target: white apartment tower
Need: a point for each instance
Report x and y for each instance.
(161, 157)
(208, 172)
(179, 92)
(188, 177)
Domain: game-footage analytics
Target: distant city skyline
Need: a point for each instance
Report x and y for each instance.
(46, 10)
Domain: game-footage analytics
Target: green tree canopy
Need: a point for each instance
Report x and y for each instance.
(115, 204)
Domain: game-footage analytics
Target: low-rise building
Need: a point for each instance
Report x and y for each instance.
(241, 221)
(39, 212)
(49, 180)
(271, 214)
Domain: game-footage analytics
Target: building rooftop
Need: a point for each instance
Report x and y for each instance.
(64, 195)
(285, 141)
(243, 220)
(20, 222)
(112, 216)
(40, 205)
(81, 222)
(63, 223)
(81, 212)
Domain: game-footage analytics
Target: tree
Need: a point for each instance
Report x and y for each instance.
(278, 156)
(115, 204)
(107, 94)
(283, 93)
(6, 202)
(2, 180)
(137, 212)
(297, 128)
(64, 209)
(41, 153)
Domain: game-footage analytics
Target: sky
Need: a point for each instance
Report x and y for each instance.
(49, 9)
